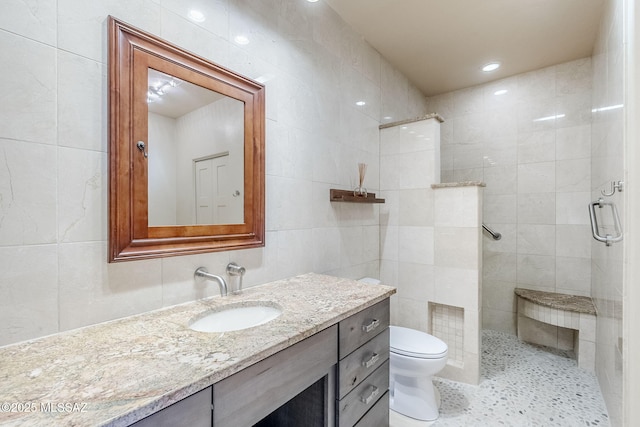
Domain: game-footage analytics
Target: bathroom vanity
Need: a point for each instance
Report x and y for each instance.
(323, 361)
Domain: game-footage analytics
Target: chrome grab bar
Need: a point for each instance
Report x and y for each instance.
(607, 239)
(496, 236)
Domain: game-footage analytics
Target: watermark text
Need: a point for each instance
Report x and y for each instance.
(60, 407)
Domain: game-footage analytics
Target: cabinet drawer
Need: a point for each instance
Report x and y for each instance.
(362, 362)
(248, 396)
(362, 326)
(363, 397)
(378, 416)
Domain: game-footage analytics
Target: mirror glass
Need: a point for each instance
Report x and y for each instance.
(196, 154)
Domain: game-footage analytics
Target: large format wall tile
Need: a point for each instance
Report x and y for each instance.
(82, 25)
(28, 292)
(215, 13)
(92, 291)
(53, 62)
(194, 38)
(28, 212)
(82, 110)
(34, 19)
(82, 195)
(28, 88)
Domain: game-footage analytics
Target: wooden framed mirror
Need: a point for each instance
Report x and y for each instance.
(186, 151)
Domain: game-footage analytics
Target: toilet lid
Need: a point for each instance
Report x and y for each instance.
(412, 343)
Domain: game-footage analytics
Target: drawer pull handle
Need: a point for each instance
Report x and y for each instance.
(374, 393)
(371, 325)
(371, 361)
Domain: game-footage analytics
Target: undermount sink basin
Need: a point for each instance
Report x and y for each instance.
(235, 317)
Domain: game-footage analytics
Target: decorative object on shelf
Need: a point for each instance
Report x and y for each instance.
(360, 191)
(336, 195)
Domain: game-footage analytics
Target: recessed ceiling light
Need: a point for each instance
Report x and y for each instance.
(196, 15)
(361, 103)
(500, 92)
(387, 118)
(241, 39)
(491, 66)
(312, 1)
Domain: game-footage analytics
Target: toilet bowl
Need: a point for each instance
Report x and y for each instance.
(414, 358)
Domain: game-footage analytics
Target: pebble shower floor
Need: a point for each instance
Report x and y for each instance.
(523, 385)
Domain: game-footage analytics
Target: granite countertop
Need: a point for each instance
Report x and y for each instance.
(575, 303)
(118, 372)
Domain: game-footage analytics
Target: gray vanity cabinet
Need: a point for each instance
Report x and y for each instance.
(193, 411)
(252, 394)
(337, 377)
(363, 368)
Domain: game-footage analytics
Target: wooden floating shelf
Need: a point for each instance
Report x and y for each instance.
(347, 196)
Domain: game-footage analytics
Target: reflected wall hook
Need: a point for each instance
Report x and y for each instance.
(614, 186)
(141, 147)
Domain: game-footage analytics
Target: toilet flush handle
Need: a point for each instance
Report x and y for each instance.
(371, 325)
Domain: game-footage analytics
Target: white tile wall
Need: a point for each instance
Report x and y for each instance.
(53, 152)
(29, 102)
(28, 186)
(538, 175)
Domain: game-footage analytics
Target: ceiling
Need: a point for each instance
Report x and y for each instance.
(441, 45)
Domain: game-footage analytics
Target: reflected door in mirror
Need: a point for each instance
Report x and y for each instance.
(217, 200)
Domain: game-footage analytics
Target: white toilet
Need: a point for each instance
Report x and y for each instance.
(415, 357)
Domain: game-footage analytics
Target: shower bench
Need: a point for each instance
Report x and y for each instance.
(563, 310)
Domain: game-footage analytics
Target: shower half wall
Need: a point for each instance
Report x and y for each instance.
(430, 244)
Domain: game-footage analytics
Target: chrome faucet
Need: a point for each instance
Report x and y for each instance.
(202, 272)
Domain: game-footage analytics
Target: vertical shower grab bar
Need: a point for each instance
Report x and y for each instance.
(607, 239)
